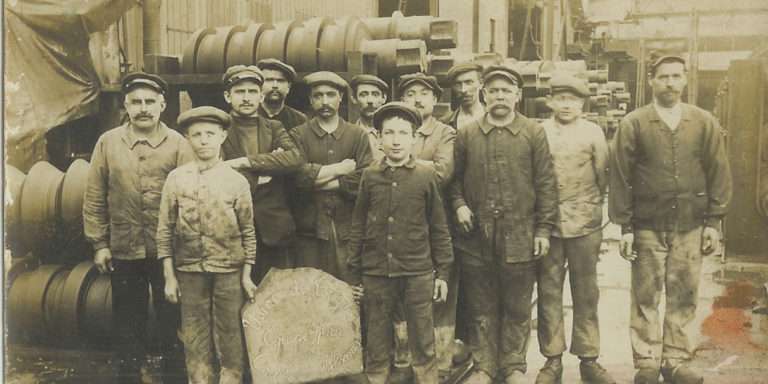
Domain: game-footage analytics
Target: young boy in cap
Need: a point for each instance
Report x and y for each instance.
(207, 243)
(580, 157)
(398, 237)
(369, 93)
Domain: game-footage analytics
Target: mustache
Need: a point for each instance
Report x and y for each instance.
(144, 115)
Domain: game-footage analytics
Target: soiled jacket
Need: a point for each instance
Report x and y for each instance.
(206, 219)
(505, 174)
(434, 142)
(315, 210)
(580, 155)
(399, 225)
(256, 138)
(669, 180)
(125, 180)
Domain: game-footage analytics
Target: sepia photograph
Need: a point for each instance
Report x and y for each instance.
(385, 191)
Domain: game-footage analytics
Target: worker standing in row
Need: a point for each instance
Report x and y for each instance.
(369, 93)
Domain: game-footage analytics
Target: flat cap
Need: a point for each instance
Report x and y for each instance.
(665, 59)
(564, 82)
(396, 108)
(505, 72)
(327, 78)
(237, 73)
(143, 79)
(369, 79)
(206, 114)
(458, 69)
(418, 77)
(275, 64)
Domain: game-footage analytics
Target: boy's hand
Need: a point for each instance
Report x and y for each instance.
(441, 291)
(540, 246)
(250, 288)
(172, 292)
(464, 217)
(710, 240)
(103, 260)
(357, 293)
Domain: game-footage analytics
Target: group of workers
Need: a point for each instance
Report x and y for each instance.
(422, 215)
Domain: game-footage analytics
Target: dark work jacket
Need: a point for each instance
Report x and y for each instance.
(289, 117)
(272, 216)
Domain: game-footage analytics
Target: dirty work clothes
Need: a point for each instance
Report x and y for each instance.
(134, 339)
(382, 295)
(206, 219)
(505, 175)
(289, 117)
(445, 322)
(126, 177)
(434, 143)
(210, 309)
(667, 262)
(581, 255)
(580, 157)
(669, 180)
(498, 304)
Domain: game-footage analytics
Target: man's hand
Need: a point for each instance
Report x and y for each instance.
(345, 167)
(239, 163)
(710, 240)
(464, 216)
(357, 293)
(103, 260)
(278, 150)
(249, 287)
(441, 291)
(172, 292)
(626, 247)
(540, 246)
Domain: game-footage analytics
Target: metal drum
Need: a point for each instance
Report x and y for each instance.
(40, 205)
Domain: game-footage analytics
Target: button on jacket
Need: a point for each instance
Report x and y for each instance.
(580, 155)
(256, 138)
(317, 211)
(434, 142)
(206, 219)
(505, 174)
(669, 180)
(399, 225)
(124, 185)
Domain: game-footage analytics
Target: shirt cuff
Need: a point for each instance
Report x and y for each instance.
(543, 231)
(100, 245)
(458, 203)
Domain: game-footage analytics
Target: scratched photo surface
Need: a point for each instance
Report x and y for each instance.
(585, 178)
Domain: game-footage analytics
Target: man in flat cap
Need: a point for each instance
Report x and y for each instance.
(369, 93)
(336, 153)
(278, 78)
(670, 186)
(504, 194)
(466, 81)
(129, 165)
(397, 263)
(207, 244)
(265, 154)
(580, 156)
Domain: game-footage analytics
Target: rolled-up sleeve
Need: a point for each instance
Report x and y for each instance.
(95, 209)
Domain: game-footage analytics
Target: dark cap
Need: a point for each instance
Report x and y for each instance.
(396, 108)
(369, 79)
(207, 114)
(465, 67)
(327, 78)
(418, 77)
(287, 70)
(564, 82)
(505, 72)
(665, 59)
(237, 73)
(143, 79)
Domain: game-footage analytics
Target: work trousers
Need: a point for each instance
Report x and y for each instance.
(667, 262)
(382, 296)
(132, 281)
(498, 302)
(210, 323)
(280, 257)
(580, 254)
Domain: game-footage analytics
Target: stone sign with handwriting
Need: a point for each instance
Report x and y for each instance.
(303, 326)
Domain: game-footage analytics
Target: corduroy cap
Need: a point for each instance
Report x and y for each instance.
(237, 73)
(505, 72)
(418, 77)
(564, 82)
(665, 59)
(287, 70)
(369, 79)
(143, 79)
(205, 113)
(327, 78)
(458, 69)
(396, 108)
